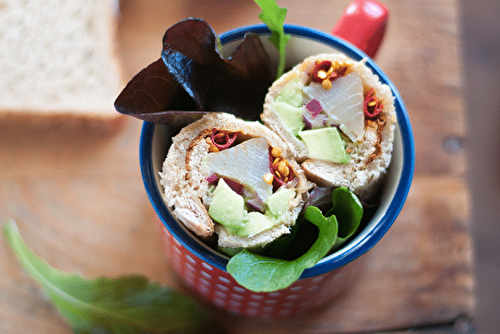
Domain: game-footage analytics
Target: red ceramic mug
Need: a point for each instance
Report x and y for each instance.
(204, 269)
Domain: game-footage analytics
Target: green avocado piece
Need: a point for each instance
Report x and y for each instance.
(279, 201)
(325, 144)
(256, 222)
(227, 207)
(290, 116)
(291, 93)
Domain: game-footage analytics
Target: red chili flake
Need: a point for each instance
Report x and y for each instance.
(278, 182)
(314, 107)
(372, 106)
(279, 178)
(223, 139)
(341, 71)
(324, 66)
(323, 71)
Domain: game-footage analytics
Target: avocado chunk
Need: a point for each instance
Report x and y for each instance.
(291, 93)
(227, 207)
(279, 201)
(256, 222)
(325, 144)
(290, 116)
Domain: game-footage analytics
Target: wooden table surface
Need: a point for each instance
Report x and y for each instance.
(79, 200)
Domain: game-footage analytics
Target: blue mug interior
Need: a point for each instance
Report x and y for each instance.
(155, 140)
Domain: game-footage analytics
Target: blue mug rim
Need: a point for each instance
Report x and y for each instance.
(339, 258)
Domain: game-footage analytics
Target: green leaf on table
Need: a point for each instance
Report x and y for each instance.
(127, 304)
(273, 17)
(261, 273)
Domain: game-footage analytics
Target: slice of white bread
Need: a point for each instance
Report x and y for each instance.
(369, 157)
(184, 177)
(58, 63)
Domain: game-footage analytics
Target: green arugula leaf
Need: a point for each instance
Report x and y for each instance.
(261, 273)
(349, 211)
(127, 304)
(273, 17)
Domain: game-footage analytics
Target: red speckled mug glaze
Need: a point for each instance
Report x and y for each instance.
(219, 287)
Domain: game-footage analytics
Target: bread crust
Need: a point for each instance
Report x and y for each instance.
(369, 157)
(184, 179)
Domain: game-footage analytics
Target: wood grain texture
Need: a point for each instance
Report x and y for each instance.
(80, 204)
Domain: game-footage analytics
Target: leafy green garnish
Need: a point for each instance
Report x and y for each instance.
(273, 17)
(261, 273)
(349, 211)
(128, 304)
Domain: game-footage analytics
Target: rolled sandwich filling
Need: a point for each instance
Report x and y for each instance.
(337, 119)
(238, 178)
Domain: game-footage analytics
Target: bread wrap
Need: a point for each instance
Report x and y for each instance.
(193, 171)
(367, 141)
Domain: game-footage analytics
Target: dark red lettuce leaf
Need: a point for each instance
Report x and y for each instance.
(152, 91)
(236, 85)
(321, 198)
(191, 75)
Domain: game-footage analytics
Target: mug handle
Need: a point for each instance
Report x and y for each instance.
(363, 24)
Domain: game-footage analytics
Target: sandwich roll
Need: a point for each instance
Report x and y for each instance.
(337, 119)
(234, 179)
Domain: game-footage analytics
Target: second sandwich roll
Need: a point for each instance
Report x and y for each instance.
(337, 119)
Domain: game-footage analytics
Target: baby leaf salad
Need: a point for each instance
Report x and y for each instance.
(258, 272)
(274, 18)
(192, 76)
